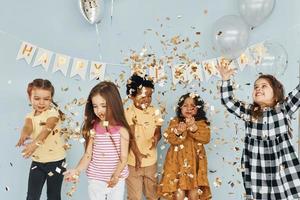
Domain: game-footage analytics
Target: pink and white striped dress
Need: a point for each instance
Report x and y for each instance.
(106, 152)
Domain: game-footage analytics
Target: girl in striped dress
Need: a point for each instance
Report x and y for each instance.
(271, 168)
(106, 134)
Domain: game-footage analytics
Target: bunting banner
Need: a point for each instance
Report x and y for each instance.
(61, 63)
(97, 70)
(181, 73)
(194, 72)
(210, 68)
(43, 58)
(79, 67)
(157, 73)
(245, 60)
(26, 52)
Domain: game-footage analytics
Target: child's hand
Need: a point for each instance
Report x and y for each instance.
(225, 70)
(22, 140)
(113, 181)
(191, 124)
(29, 149)
(181, 127)
(190, 121)
(71, 175)
(138, 160)
(154, 142)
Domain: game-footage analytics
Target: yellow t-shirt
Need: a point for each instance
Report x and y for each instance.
(52, 148)
(146, 122)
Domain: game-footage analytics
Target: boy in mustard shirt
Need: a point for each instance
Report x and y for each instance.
(145, 122)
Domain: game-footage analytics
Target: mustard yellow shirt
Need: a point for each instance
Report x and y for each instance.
(52, 148)
(145, 122)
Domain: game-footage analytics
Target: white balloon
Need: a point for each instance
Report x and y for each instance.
(270, 58)
(92, 10)
(230, 36)
(254, 12)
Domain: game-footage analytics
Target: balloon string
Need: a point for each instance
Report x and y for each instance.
(111, 11)
(98, 40)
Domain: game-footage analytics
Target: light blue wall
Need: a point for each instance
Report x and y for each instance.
(58, 26)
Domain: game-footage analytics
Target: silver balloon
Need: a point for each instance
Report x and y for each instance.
(270, 58)
(230, 36)
(92, 10)
(254, 12)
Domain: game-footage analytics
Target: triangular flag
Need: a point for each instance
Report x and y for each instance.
(97, 70)
(157, 73)
(61, 63)
(26, 51)
(179, 73)
(43, 58)
(79, 67)
(245, 60)
(194, 72)
(209, 68)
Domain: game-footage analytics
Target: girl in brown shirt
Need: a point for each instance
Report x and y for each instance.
(185, 167)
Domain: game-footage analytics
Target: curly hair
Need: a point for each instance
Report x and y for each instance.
(136, 82)
(200, 115)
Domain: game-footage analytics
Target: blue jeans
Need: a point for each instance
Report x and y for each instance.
(39, 173)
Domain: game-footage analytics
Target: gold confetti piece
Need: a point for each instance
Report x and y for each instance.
(217, 182)
(50, 174)
(72, 190)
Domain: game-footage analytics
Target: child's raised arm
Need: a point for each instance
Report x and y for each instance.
(50, 124)
(123, 158)
(292, 101)
(234, 106)
(26, 132)
(238, 108)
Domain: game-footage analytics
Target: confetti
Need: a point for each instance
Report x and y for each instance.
(50, 174)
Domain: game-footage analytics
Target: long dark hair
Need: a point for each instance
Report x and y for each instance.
(200, 115)
(114, 106)
(45, 85)
(278, 91)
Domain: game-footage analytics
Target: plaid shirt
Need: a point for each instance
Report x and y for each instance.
(272, 169)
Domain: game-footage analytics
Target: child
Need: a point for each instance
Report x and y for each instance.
(106, 134)
(42, 125)
(185, 167)
(145, 122)
(271, 167)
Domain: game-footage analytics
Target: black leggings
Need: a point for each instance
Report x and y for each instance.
(39, 173)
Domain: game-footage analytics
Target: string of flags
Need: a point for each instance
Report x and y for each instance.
(200, 71)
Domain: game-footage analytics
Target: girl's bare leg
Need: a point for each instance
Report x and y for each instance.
(193, 194)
